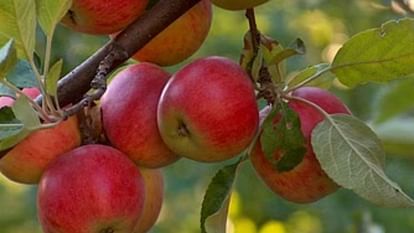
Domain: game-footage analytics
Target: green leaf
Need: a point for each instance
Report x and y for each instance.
(50, 12)
(8, 58)
(22, 75)
(397, 136)
(377, 55)
(216, 200)
(11, 130)
(257, 65)
(352, 155)
(247, 53)
(25, 113)
(282, 133)
(323, 81)
(396, 99)
(5, 91)
(18, 21)
(7, 115)
(53, 77)
(295, 48)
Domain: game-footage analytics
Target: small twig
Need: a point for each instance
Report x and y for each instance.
(265, 80)
(253, 30)
(98, 84)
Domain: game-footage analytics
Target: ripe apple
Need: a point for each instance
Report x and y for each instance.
(180, 39)
(92, 189)
(26, 161)
(237, 4)
(31, 92)
(154, 192)
(208, 111)
(307, 182)
(102, 17)
(129, 115)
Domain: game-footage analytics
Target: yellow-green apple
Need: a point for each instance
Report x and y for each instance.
(237, 4)
(180, 39)
(154, 193)
(92, 189)
(307, 182)
(129, 115)
(26, 161)
(208, 111)
(102, 17)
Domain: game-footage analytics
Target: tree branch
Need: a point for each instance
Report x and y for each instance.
(73, 86)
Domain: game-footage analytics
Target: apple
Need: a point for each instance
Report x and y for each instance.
(180, 39)
(102, 17)
(31, 92)
(154, 192)
(92, 189)
(307, 182)
(129, 115)
(238, 4)
(208, 111)
(26, 161)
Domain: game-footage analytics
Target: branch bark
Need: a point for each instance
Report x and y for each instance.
(73, 86)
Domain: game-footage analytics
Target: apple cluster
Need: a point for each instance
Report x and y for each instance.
(207, 111)
(90, 188)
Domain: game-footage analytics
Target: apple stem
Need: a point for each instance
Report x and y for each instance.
(253, 30)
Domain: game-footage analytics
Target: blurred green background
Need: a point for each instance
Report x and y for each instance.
(324, 25)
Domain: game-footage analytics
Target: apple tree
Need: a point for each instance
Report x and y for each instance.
(153, 102)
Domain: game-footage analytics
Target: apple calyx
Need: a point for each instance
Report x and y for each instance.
(108, 230)
(183, 130)
(71, 15)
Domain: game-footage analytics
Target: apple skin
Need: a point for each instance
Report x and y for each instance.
(129, 115)
(208, 111)
(26, 161)
(92, 189)
(154, 193)
(307, 182)
(238, 4)
(103, 17)
(180, 39)
(31, 92)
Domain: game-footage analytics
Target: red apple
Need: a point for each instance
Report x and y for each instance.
(92, 189)
(307, 182)
(180, 39)
(129, 115)
(26, 161)
(238, 4)
(208, 110)
(103, 17)
(31, 92)
(154, 192)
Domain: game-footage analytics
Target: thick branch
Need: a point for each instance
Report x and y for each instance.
(75, 84)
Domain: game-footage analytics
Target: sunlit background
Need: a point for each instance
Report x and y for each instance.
(324, 25)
